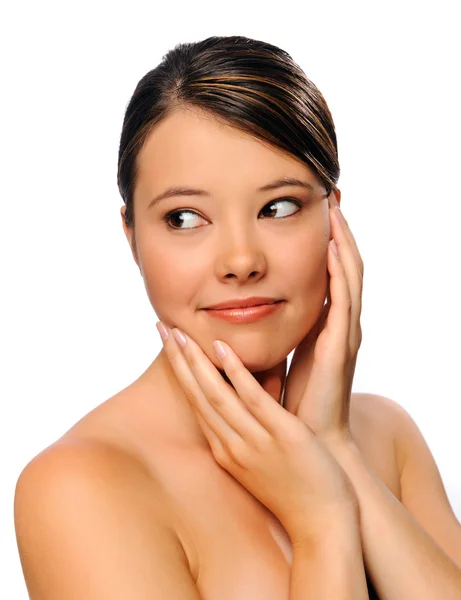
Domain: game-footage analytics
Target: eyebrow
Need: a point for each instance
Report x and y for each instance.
(186, 191)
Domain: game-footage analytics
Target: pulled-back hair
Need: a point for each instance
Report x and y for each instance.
(245, 83)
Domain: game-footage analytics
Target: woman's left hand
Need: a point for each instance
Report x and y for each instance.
(319, 383)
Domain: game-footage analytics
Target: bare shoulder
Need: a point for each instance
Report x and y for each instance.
(381, 416)
(70, 459)
(373, 425)
(83, 470)
(375, 414)
(386, 414)
(91, 523)
(377, 407)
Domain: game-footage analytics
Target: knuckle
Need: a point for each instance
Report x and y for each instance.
(215, 399)
(192, 360)
(237, 449)
(253, 401)
(220, 454)
(231, 371)
(176, 360)
(190, 396)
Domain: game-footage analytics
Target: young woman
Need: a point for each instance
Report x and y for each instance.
(227, 477)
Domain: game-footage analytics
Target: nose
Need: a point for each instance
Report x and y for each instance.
(241, 256)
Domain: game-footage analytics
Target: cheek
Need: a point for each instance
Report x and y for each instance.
(305, 264)
(306, 279)
(170, 281)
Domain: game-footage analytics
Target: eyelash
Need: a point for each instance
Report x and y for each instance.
(172, 213)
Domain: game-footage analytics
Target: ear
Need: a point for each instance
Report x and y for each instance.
(129, 233)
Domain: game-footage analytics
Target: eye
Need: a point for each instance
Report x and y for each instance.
(175, 214)
(280, 200)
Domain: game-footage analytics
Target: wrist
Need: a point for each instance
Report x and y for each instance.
(326, 528)
(343, 450)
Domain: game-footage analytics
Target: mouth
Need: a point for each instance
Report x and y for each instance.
(248, 314)
(243, 303)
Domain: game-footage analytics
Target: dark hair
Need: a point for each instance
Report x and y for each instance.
(249, 84)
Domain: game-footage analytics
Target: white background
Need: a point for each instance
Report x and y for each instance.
(76, 323)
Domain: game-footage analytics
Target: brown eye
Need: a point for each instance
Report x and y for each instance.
(176, 214)
(273, 204)
(168, 218)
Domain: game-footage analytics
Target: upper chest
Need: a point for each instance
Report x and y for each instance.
(235, 547)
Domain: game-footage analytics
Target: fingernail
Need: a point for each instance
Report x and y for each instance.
(163, 331)
(334, 247)
(220, 350)
(179, 337)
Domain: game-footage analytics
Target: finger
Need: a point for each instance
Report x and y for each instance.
(352, 265)
(328, 289)
(271, 415)
(214, 427)
(351, 239)
(248, 409)
(338, 321)
(353, 275)
(215, 443)
(324, 313)
(215, 396)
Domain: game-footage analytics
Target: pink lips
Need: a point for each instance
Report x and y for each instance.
(245, 315)
(243, 302)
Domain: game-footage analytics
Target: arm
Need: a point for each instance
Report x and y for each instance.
(87, 529)
(331, 564)
(403, 560)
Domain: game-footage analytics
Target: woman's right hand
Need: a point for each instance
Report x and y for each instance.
(270, 451)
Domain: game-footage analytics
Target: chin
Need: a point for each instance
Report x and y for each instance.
(251, 359)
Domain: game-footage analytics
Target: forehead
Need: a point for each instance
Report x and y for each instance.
(189, 147)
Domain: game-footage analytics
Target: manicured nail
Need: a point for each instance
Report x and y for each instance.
(163, 331)
(334, 247)
(179, 337)
(219, 349)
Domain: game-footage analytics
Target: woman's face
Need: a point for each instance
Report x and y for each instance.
(232, 240)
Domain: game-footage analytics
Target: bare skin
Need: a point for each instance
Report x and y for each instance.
(234, 546)
(137, 473)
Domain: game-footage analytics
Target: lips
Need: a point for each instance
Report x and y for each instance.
(243, 303)
(247, 315)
